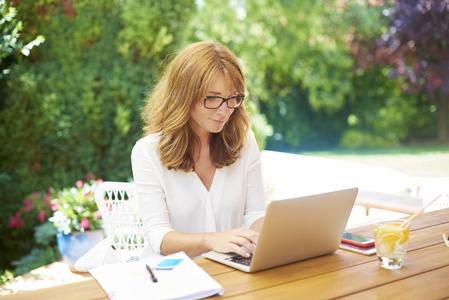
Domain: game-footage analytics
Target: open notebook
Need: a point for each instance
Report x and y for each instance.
(178, 277)
(296, 229)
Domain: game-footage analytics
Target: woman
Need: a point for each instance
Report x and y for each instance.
(197, 170)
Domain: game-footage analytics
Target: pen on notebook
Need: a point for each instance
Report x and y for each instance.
(151, 273)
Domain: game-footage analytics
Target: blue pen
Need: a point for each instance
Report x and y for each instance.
(151, 273)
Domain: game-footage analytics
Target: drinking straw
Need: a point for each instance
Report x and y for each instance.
(418, 212)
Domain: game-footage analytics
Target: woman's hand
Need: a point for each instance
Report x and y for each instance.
(233, 241)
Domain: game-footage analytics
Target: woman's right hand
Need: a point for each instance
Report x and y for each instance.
(233, 241)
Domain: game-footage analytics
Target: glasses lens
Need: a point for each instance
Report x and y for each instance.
(213, 102)
(235, 102)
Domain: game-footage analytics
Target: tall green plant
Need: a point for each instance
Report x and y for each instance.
(73, 107)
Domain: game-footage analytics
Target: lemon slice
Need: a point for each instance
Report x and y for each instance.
(405, 235)
(390, 234)
(391, 237)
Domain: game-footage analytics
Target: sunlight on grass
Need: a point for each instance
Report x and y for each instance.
(425, 161)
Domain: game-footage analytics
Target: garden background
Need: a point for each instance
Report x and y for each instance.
(321, 75)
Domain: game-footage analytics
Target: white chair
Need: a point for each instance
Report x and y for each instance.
(121, 218)
(123, 226)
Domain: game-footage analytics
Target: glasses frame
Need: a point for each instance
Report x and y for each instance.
(224, 100)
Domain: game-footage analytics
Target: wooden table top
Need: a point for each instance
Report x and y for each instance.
(342, 274)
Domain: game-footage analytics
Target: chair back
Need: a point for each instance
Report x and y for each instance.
(121, 219)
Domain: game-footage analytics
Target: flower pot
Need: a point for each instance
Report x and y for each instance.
(74, 245)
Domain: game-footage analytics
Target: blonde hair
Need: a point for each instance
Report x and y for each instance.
(185, 81)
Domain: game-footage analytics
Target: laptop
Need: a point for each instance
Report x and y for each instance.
(296, 229)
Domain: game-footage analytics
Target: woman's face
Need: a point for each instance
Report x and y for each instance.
(204, 120)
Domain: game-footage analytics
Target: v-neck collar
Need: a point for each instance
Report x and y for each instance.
(198, 179)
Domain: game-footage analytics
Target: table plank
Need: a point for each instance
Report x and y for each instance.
(88, 289)
(429, 285)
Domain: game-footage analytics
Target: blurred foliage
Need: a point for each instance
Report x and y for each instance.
(10, 41)
(151, 27)
(77, 110)
(305, 72)
(414, 44)
(44, 250)
(5, 275)
(21, 225)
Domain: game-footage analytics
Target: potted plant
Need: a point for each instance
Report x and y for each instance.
(77, 219)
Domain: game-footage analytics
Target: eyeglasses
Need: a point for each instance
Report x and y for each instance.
(212, 102)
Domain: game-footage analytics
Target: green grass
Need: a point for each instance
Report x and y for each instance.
(414, 160)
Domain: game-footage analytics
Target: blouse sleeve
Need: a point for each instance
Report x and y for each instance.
(255, 196)
(151, 197)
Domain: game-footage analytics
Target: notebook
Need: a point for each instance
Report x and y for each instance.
(174, 276)
(297, 229)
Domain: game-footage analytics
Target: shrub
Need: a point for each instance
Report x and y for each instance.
(73, 106)
(17, 240)
(44, 250)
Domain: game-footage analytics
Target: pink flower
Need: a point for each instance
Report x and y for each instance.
(54, 206)
(12, 222)
(79, 184)
(97, 214)
(89, 177)
(79, 210)
(84, 223)
(99, 181)
(28, 205)
(47, 200)
(28, 208)
(41, 216)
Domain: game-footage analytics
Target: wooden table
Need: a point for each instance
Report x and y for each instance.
(343, 274)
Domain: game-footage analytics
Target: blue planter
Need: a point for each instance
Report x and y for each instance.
(73, 246)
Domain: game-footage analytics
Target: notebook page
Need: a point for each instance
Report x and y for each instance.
(185, 280)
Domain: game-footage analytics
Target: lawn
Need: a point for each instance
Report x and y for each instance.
(421, 161)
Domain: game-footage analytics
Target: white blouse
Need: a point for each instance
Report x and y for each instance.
(176, 200)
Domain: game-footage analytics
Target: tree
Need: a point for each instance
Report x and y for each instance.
(301, 68)
(10, 28)
(285, 47)
(416, 44)
(11, 42)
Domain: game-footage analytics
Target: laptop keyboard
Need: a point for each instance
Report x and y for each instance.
(246, 261)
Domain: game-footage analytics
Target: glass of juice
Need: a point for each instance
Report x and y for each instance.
(391, 242)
